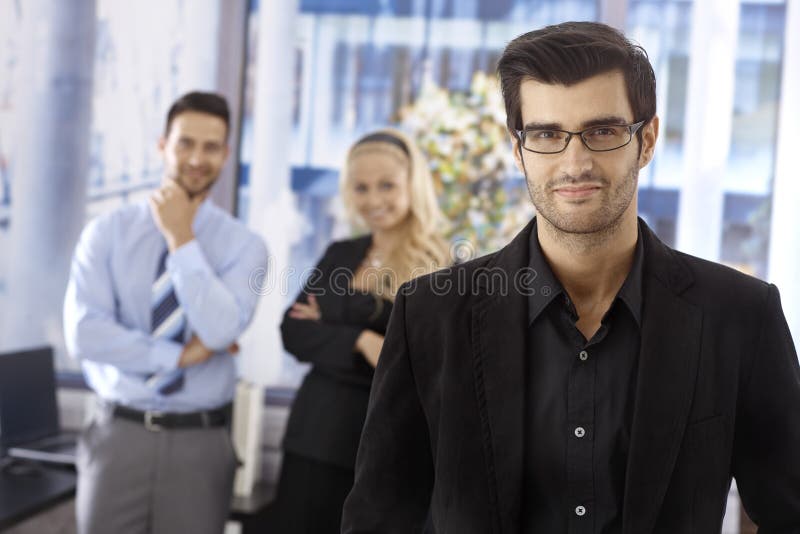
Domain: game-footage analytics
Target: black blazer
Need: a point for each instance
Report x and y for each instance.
(718, 395)
(330, 406)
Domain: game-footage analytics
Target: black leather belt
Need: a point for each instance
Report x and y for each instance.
(155, 421)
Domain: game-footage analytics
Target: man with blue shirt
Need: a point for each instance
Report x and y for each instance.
(158, 294)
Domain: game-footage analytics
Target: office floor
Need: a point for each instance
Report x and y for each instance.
(61, 520)
(58, 520)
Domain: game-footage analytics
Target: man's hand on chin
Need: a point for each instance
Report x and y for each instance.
(173, 212)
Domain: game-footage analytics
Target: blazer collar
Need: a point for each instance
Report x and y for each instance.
(499, 325)
(664, 263)
(353, 252)
(509, 259)
(668, 366)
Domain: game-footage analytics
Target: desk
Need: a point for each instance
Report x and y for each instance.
(23, 495)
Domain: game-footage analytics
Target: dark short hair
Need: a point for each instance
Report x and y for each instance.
(211, 103)
(571, 52)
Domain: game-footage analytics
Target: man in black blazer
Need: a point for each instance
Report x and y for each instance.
(586, 378)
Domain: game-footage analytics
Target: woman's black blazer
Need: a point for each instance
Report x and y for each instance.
(331, 404)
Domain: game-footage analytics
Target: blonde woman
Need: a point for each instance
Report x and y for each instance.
(338, 322)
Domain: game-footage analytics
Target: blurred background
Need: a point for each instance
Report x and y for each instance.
(85, 85)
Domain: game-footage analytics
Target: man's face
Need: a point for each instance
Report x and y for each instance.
(579, 191)
(194, 151)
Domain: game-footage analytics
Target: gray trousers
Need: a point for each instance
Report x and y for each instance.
(135, 481)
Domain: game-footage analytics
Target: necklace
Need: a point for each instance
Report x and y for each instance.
(374, 259)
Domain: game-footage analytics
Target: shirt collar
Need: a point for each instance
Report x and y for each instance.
(547, 287)
(631, 291)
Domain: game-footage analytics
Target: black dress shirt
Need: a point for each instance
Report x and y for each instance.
(579, 406)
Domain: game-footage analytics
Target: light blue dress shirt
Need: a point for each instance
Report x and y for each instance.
(108, 305)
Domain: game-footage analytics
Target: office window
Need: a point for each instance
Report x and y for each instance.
(751, 162)
(143, 54)
(10, 22)
(663, 28)
(144, 57)
(357, 65)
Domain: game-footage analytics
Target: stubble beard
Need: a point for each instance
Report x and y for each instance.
(177, 177)
(591, 229)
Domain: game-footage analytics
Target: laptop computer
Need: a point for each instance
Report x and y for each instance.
(29, 421)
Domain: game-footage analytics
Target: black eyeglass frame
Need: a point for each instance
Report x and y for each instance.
(632, 129)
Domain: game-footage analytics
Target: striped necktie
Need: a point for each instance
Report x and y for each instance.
(168, 322)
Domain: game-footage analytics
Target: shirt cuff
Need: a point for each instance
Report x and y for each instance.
(165, 355)
(186, 258)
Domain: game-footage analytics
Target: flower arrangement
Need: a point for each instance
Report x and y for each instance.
(465, 138)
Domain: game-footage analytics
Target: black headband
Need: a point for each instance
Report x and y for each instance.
(383, 137)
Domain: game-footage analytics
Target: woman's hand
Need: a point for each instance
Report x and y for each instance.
(369, 344)
(306, 312)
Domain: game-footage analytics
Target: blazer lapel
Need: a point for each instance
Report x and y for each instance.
(498, 347)
(668, 362)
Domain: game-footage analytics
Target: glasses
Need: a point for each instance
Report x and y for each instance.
(597, 138)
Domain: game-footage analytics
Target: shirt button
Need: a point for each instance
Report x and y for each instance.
(580, 432)
(580, 511)
(583, 356)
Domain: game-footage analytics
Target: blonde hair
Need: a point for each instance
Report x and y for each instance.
(421, 248)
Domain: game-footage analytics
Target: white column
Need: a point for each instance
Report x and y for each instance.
(784, 246)
(49, 167)
(307, 43)
(211, 60)
(271, 211)
(321, 109)
(200, 52)
(709, 115)
(229, 56)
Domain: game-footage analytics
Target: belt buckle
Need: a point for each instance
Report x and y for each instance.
(148, 421)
